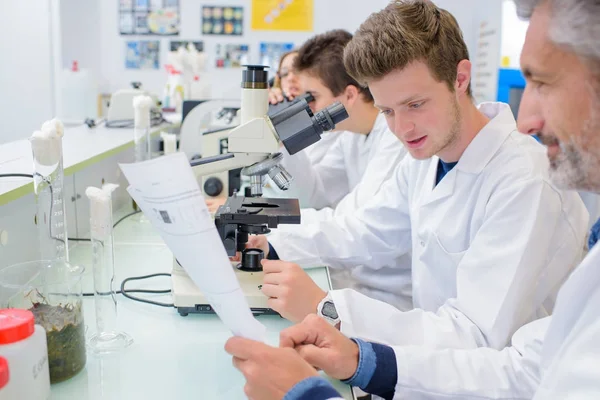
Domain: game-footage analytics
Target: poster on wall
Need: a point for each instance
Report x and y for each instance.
(271, 52)
(219, 20)
(149, 17)
(282, 15)
(142, 54)
(484, 80)
(176, 44)
(231, 55)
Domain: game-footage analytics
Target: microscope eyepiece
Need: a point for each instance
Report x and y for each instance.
(328, 118)
(298, 128)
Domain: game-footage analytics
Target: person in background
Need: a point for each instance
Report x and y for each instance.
(552, 358)
(286, 83)
(355, 167)
(285, 88)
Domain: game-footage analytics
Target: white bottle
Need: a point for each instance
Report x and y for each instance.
(23, 345)
(78, 94)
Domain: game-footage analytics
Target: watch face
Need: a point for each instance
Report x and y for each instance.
(329, 310)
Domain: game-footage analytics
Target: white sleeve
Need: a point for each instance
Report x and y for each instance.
(476, 374)
(381, 167)
(574, 374)
(515, 261)
(388, 155)
(375, 235)
(323, 184)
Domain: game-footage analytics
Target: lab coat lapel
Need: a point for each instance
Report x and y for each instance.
(477, 155)
(443, 189)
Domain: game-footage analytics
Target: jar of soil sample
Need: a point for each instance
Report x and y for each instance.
(51, 290)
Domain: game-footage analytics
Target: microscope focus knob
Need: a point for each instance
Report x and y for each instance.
(213, 186)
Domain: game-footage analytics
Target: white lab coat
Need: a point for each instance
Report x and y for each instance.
(310, 157)
(491, 243)
(317, 151)
(361, 163)
(326, 183)
(365, 162)
(552, 358)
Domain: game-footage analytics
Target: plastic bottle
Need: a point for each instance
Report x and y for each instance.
(4, 373)
(199, 89)
(23, 345)
(78, 94)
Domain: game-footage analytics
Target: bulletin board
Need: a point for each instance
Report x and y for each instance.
(283, 15)
(223, 20)
(149, 17)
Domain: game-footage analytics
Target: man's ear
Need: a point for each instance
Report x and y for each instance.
(463, 77)
(351, 94)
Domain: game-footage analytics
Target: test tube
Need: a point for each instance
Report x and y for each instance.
(141, 131)
(108, 338)
(48, 183)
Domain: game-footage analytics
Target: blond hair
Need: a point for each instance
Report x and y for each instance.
(402, 33)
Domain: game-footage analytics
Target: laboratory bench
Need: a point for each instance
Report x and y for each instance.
(172, 357)
(90, 158)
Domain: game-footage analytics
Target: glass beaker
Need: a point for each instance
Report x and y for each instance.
(52, 291)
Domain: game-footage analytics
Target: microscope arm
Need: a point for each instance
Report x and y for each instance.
(225, 162)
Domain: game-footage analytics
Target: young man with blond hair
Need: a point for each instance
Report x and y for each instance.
(355, 167)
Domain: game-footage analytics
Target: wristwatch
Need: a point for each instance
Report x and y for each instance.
(326, 310)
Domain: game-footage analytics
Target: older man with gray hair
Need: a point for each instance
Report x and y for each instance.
(556, 357)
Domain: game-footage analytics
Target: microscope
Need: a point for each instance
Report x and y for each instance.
(254, 146)
(205, 133)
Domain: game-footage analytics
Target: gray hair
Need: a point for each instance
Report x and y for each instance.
(575, 25)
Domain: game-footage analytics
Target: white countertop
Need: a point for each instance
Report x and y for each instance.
(82, 146)
(172, 357)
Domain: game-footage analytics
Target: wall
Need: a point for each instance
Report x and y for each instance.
(53, 33)
(26, 70)
(329, 14)
(513, 35)
(487, 21)
(80, 33)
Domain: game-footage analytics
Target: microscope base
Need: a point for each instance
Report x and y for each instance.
(188, 299)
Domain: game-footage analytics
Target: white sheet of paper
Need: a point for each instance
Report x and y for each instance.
(167, 192)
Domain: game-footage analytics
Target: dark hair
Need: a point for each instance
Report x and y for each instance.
(323, 57)
(405, 32)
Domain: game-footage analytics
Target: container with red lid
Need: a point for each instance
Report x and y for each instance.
(51, 290)
(23, 349)
(4, 373)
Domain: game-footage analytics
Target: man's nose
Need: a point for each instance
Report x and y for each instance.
(530, 120)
